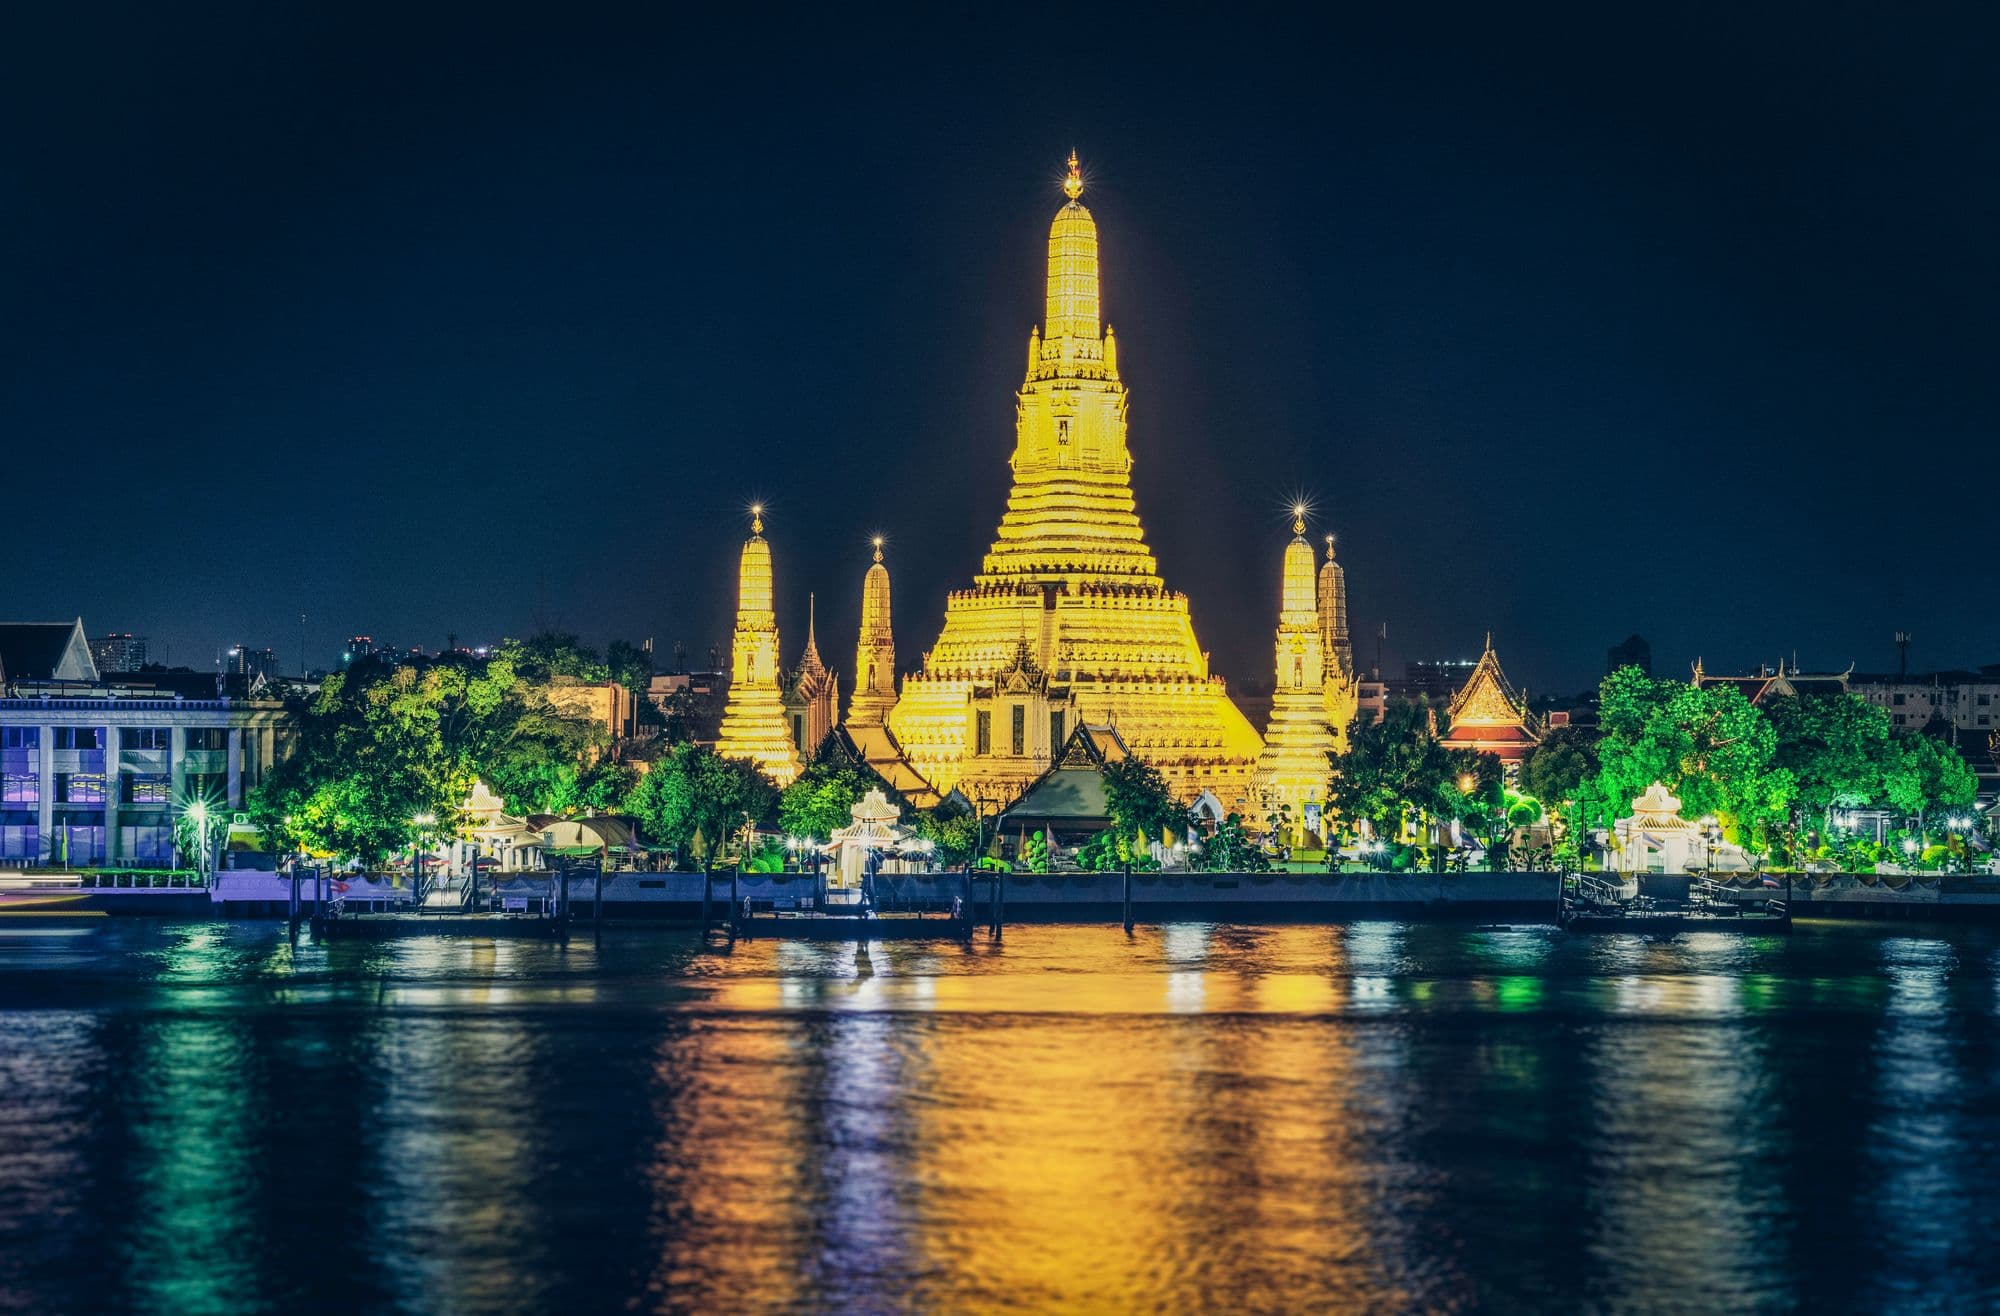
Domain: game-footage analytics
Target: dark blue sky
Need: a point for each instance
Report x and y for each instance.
(1577, 324)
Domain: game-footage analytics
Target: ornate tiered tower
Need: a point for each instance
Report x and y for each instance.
(1342, 682)
(753, 722)
(812, 696)
(874, 653)
(1293, 769)
(1068, 620)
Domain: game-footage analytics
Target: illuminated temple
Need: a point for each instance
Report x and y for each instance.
(754, 727)
(1068, 621)
(1292, 771)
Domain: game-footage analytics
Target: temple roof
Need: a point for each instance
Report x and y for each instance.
(1487, 699)
(1072, 790)
(45, 651)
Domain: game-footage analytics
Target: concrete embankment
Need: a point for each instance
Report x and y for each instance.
(1516, 897)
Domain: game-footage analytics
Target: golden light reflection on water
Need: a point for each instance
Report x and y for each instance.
(1194, 1118)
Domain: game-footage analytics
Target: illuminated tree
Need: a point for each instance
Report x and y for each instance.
(1707, 744)
(954, 831)
(693, 799)
(1397, 770)
(1562, 766)
(1927, 776)
(1230, 850)
(1142, 807)
(823, 796)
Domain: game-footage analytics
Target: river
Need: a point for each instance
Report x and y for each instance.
(1377, 1116)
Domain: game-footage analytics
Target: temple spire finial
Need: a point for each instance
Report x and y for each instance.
(877, 541)
(1073, 185)
(756, 518)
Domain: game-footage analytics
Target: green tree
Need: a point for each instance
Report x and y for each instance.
(1231, 850)
(377, 748)
(539, 658)
(606, 784)
(1142, 807)
(1707, 744)
(1926, 777)
(696, 801)
(1562, 766)
(954, 832)
(1397, 770)
(823, 796)
(535, 755)
(1840, 750)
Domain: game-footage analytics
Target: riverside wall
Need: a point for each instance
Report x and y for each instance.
(1516, 897)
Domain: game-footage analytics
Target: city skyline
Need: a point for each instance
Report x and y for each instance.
(510, 359)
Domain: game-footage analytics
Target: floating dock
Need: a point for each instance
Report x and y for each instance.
(1666, 904)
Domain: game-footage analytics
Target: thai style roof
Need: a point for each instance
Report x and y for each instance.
(45, 651)
(873, 747)
(1489, 715)
(1071, 792)
(1767, 684)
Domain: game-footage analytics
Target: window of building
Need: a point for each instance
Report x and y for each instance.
(79, 843)
(799, 732)
(1056, 731)
(1985, 701)
(20, 840)
(20, 737)
(145, 738)
(20, 788)
(79, 737)
(982, 731)
(79, 788)
(144, 787)
(1899, 699)
(150, 846)
(1020, 729)
(216, 737)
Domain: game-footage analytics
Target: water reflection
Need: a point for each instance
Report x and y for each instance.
(1194, 1117)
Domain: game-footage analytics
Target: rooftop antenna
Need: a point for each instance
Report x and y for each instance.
(302, 646)
(1380, 635)
(1902, 654)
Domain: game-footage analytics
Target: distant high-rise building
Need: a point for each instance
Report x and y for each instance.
(246, 661)
(118, 653)
(358, 647)
(1635, 652)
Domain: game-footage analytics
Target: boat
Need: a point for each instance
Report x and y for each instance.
(1666, 904)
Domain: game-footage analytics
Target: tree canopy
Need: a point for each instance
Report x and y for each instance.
(695, 800)
(1141, 804)
(1398, 767)
(823, 796)
(379, 748)
(1562, 767)
(1707, 744)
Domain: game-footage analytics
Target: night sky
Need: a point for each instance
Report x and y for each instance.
(425, 321)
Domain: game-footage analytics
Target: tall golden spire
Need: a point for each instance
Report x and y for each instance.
(874, 651)
(753, 721)
(1070, 585)
(1292, 769)
(1070, 331)
(1333, 615)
